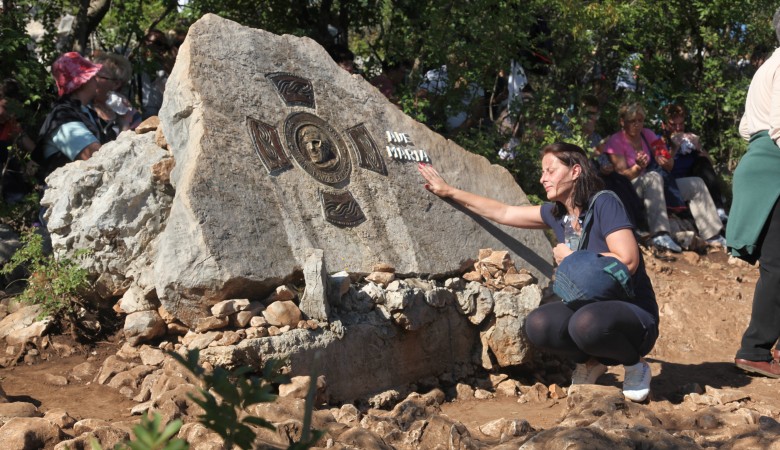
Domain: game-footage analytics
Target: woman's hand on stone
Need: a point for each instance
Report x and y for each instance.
(433, 181)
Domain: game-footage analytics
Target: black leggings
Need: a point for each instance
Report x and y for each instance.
(612, 332)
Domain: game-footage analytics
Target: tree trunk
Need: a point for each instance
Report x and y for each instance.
(90, 14)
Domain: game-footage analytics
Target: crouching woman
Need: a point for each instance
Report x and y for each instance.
(617, 331)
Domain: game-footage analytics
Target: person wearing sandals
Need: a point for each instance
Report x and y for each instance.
(599, 334)
(753, 231)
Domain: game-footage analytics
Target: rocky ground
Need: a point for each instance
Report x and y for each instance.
(61, 393)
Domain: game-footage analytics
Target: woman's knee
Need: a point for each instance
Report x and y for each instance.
(585, 328)
(545, 324)
(536, 325)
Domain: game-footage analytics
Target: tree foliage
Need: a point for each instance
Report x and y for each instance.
(701, 53)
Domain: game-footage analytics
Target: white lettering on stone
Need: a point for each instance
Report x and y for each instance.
(401, 148)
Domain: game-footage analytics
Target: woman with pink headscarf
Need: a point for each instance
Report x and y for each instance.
(70, 131)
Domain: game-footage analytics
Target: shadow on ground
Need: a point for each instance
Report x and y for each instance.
(674, 377)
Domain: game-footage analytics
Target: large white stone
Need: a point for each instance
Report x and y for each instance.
(112, 206)
(237, 227)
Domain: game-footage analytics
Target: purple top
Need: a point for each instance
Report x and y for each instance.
(618, 144)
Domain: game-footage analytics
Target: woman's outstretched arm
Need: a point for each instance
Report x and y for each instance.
(516, 216)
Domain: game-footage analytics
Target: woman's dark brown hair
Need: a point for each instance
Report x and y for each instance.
(586, 185)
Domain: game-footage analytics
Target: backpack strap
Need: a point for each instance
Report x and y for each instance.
(587, 224)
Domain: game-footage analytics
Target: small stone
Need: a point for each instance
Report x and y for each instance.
(18, 409)
(228, 338)
(473, 276)
(148, 125)
(537, 393)
(283, 293)
(228, 307)
(556, 392)
(201, 341)
(243, 318)
(339, 284)
(177, 329)
(254, 333)
(691, 257)
(83, 372)
(151, 356)
(464, 391)
(482, 394)
(204, 324)
(455, 284)
(55, 380)
(59, 417)
(258, 321)
(519, 280)
(282, 313)
(381, 278)
(508, 388)
(383, 267)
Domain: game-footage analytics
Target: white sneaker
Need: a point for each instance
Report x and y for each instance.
(588, 372)
(665, 241)
(636, 382)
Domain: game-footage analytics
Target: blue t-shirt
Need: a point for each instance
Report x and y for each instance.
(70, 139)
(609, 216)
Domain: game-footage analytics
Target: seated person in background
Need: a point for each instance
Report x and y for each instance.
(613, 181)
(630, 153)
(392, 76)
(690, 159)
(157, 59)
(14, 143)
(344, 57)
(113, 108)
(10, 131)
(70, 131)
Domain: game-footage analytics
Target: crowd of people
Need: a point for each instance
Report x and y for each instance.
(97, 98)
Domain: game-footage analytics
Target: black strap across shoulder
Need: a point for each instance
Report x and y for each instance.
(587, 224)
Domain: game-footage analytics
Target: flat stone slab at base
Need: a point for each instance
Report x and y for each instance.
(369, 358)
(278, 151)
